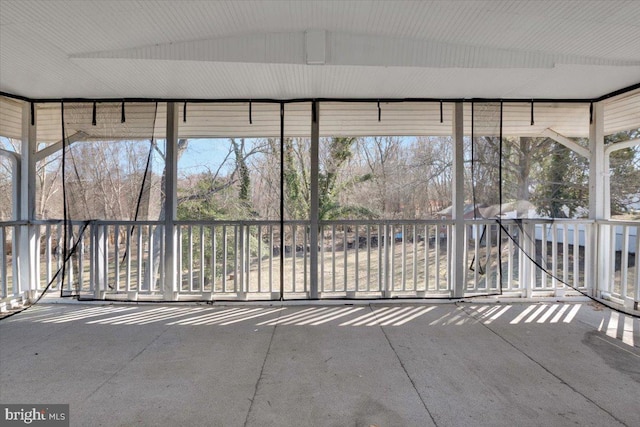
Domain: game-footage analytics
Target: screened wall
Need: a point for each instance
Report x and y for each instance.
(321, 199)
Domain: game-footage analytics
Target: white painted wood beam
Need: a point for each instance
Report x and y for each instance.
(57, 146)
(344, 49)
(570, 144)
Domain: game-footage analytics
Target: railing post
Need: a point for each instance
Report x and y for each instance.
(526, 268)
(388, 259)
(97, 255)
(20, 286)
(92, 258)
(240, 256)
(171, 173)
(457, 255)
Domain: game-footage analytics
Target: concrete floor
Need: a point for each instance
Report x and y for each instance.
(464, 364)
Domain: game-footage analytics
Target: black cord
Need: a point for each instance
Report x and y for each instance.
(500, 203)
(65, 204)
(67, 226)
(532, 121)
(334, 99)
(55, 276)
(146, 173)
(473, 161)
(473, 186)
(282, 251)
(481, 269)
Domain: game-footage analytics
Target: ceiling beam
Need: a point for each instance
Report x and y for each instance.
(57, 146)
(349, 49)
(570, 144)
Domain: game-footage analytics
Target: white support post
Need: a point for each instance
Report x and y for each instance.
(27, 250)
(387, 285)
(528, 267)
(98, 255)
(315, 201)
(598, 192)
(243, 244)
(457, 255)
(171, 168)
(28, 170)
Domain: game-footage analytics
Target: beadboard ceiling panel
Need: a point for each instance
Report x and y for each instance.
(258, 49)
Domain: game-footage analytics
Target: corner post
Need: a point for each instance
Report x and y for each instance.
(171, 167)
(315, 200)
(27, 251)
(599, 271)
(457, 255)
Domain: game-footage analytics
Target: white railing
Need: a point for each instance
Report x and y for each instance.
(128, 258)
(384, 258)
(554, 255)
(619, 246)
(241, 260)
(32, 259)
(9, 283)
(219, 259)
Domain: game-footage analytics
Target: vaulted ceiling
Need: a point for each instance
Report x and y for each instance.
(318, 49)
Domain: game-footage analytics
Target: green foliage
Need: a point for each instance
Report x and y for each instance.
(200, 202)
(243, 171)
(625, 171)
(298, 182)
(563, 183)
(296, 201)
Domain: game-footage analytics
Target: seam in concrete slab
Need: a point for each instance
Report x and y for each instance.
(264, 362)
(616, 345)
(543, 367)
(124, 365)
(413, 384)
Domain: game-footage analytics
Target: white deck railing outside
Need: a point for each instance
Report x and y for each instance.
(244, 260)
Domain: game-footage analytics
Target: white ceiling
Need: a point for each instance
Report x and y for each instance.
(371, 49)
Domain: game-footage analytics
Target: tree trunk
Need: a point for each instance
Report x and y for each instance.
(524, 168)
